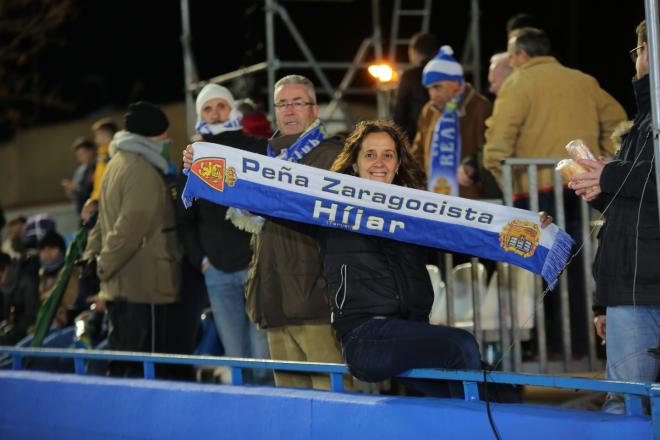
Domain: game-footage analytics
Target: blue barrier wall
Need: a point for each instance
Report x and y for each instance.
(36, 405)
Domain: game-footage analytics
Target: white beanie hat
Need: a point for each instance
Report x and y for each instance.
(212, 91)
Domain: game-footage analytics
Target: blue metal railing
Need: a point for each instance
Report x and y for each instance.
(633, 392)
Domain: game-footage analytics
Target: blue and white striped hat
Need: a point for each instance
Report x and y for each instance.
(443, 67)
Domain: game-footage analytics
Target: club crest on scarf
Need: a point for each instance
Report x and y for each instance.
(520, 237)
(214, 173)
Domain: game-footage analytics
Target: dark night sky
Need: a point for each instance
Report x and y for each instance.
(114, 52)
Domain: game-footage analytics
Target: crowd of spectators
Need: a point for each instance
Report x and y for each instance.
(150, 267)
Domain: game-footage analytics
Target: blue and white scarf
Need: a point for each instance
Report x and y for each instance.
(297, 192)
(445, 154)
(314, 135)
(235, 122)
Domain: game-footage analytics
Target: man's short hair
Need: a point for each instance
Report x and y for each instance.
(502, 60)
(534, 41)
(521, 20)
(52, 239)
(83, 143)
(296, 80)
(499, 57)
(16, 220)
(642, 37)
(425, 43)
(105, 124)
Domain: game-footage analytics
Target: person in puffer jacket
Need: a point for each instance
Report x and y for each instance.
(379, 290)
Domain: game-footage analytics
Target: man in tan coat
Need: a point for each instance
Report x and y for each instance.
(540, 107)
(138, 253)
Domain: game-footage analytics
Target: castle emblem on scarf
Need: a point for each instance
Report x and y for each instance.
(442, 186)
(214, 173)
(520, 237)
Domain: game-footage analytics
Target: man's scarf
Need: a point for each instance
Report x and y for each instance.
(305, 194)
(314, 135)
(235, 122)
(445, 154)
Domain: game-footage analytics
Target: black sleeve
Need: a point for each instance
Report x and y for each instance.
(186, 220)
(26, 299)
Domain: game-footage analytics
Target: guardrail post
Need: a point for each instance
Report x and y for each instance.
(337, 382)
(634, 405)
(471, 391)
(79, 365)
(236, 376)
(17, 362)
(654, 396)
(149, 370)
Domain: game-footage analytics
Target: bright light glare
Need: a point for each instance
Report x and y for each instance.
(382, 72)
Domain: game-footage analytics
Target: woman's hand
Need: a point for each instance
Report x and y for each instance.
(545, 219)
(188, 156)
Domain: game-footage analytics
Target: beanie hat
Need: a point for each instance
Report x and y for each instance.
(145, 119)
(443, 67)
(35, 228)
(212, 91)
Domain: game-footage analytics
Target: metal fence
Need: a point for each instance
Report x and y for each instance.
(515, 296)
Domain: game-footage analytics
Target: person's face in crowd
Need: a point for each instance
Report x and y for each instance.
(85, 156)
(516, 59)
(496, 76)
(49, 254)
(377, 158)
(642, 61)
(14, 230)
(415, 57)
(292, 119)
(442, 91)
(215, 111)
(102, 137)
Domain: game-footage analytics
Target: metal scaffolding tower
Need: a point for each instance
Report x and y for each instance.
(370, 45)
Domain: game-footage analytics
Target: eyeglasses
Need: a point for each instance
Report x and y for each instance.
(635, 53)
(297, 105)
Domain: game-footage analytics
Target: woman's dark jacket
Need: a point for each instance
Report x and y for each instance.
(372, 276)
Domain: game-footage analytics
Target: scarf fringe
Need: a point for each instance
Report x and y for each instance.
(555, 262)
(245, 220)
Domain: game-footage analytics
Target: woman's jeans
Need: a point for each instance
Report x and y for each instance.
(384, 347)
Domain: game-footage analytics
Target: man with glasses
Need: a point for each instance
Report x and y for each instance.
(627, 300)
(285, 291)
(286, 288)
(540, 107)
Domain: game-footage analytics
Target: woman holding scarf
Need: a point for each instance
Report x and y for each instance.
(379, 290)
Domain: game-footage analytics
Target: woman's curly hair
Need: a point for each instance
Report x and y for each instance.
(409, 174)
